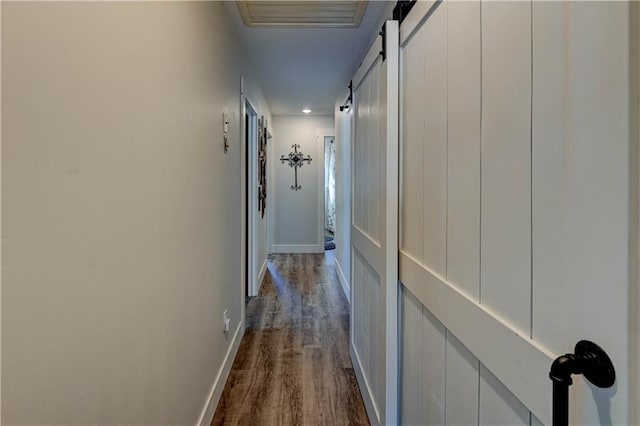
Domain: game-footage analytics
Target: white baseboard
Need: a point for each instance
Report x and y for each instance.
(298, 248)
(343, 282)
(263, 270)
(365, 390)
(206, 416)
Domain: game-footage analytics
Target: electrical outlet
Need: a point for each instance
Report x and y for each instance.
(226, 321)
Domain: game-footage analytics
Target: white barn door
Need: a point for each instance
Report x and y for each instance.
(374, 229)
(514, 213)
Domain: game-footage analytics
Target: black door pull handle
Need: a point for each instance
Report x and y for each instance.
(592, 362)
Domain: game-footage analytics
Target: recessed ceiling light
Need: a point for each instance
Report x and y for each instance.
(306, 111)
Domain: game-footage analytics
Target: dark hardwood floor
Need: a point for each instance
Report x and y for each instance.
(293, 365)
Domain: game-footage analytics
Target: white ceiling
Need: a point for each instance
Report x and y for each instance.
(306, 67)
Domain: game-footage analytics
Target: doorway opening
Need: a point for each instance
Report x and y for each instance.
(329, 193)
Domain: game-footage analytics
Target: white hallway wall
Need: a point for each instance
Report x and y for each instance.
(295, 213)
(120, 210)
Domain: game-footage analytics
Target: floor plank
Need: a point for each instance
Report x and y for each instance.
(293, 365)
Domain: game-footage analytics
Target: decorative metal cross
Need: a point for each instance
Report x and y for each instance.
(295, 159)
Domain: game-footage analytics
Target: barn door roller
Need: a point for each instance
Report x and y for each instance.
(402, 9)
(592, 362)
(349, 99)
(383, 33)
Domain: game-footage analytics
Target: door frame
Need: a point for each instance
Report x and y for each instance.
(249, 197)
(320, 135)
(634, 393)
(324, 165)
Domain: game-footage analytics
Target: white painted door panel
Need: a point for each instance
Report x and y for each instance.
(506, 161)
(435, 142)
(498, 406)
(462, 384)
(463, 142)
(374, 231)
(411, 357)
(515, 201)
(581, 189)
(434, 348)
(412, 176)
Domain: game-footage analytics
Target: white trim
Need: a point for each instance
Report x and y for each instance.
(367, 395)
(343, 281)
(391, 288)
(243, 207)
(413, 21)
(263, 270)
(634, 394)
(0, 227)
(298, 248)
(475, 325)
(209, 409)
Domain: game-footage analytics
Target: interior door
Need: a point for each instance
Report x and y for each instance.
(515, 183)
(373, 342)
